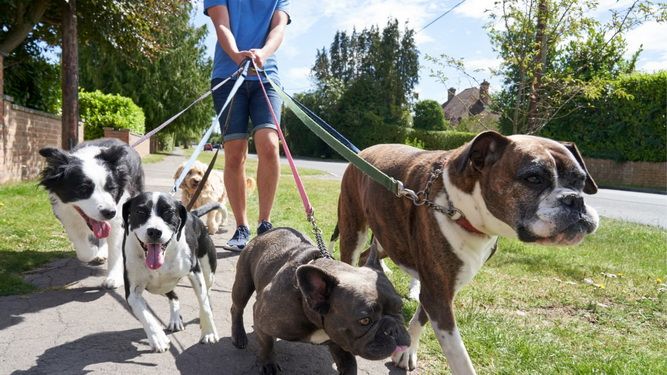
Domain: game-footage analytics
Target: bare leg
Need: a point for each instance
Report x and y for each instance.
(268, 170)
(234, 176)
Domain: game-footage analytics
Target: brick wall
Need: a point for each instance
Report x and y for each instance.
(23, 132)
(129, 138)
(635, 174)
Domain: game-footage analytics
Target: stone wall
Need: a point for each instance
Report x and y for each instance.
(628, 174)
(23, 132)
(124, 135)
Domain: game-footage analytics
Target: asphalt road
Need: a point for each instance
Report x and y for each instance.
(636, 207)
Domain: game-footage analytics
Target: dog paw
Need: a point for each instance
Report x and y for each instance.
(159, 342)
(406, 360)
(239, 339)
(176, 324)
(98, 261)
(270, 369)
(112, 283)
(209, 338)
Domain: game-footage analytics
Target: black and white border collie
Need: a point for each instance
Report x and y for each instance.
(162, 244)
(87, 188)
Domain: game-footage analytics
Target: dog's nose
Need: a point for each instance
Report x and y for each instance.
(574, 201)
(154, 234)
(108, 214)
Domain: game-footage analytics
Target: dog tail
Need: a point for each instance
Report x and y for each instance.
(208, 207)
(250, 185)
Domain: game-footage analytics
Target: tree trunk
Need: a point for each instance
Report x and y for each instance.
(2, 90)
(540, 62)
(70, 77)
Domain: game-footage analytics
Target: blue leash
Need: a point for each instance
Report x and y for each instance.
(207, 135)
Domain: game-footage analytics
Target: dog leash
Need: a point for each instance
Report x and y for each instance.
(207, 135)
(310, 212)
(174, 117)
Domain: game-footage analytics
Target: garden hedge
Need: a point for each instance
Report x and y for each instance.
(99, 111)
(628, 122)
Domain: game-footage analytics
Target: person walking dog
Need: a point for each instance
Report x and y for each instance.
(248, 29)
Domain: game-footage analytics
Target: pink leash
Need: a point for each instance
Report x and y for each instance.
(297, 179)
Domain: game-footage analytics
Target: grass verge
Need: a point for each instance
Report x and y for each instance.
(600, 307)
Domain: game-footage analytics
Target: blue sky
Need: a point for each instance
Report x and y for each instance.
(458, 34)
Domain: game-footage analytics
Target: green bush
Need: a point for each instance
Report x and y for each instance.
(627, 122)
(99, 111)
(438, 140)
(429, 116)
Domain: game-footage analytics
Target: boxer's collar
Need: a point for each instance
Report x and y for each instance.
(467, 226)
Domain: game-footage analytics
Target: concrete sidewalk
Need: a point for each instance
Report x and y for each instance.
(73, 327)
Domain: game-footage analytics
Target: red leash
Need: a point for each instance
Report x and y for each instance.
(297, 179)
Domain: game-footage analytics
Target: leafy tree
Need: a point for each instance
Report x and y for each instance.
(163, 86)
(543, 70)
(128, 25)
(379, 70)
(429, 116)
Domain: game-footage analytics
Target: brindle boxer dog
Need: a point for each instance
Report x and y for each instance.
(521, 186)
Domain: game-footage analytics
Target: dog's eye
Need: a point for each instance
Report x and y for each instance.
(365, 321)
(534, 179)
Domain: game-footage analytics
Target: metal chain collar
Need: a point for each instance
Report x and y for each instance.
(420, 198)
(318, 235)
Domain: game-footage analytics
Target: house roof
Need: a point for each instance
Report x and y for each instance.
(466, 103)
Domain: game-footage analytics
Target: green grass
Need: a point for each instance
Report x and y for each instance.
(530, 310)
(30, 235)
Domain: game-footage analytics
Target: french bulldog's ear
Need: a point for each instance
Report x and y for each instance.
(373, 260)
(484, 150)
(316, 286)
(590, 187)
(126, 216)
(183, 213)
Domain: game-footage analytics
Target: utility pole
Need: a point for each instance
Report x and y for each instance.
(70, 77)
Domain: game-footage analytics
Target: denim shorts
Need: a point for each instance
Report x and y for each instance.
(249, 103)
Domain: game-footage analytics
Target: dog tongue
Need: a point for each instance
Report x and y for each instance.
(154, 256)
(101, 229)
(400, 349)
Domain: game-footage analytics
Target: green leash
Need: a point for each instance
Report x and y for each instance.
(375, 174)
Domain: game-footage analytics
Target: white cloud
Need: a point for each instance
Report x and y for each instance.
(654, 65)
(650, 35)
(475, 8)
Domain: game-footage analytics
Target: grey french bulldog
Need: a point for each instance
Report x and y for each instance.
(302, 296)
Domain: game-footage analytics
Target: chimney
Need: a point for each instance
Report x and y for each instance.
(451, 93)
(484, 92)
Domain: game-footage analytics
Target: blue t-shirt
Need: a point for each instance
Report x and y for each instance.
(249, 21)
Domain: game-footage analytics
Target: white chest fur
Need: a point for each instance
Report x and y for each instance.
(473, 250)
(319, 337)
(177, 264)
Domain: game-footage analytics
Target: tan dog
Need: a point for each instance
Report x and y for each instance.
(213, 191)
(522, 187)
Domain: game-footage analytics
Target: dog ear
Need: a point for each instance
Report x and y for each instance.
(316, 285)
(590, 187)
(484, 150)
(373, 260)
(54, 156)
(183, 213)
(126, 216)
(178, 172)
(112, 154)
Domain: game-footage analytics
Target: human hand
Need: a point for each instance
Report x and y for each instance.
(239, 56)
(259, 57)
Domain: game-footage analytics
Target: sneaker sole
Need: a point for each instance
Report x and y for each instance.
(235, 249)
